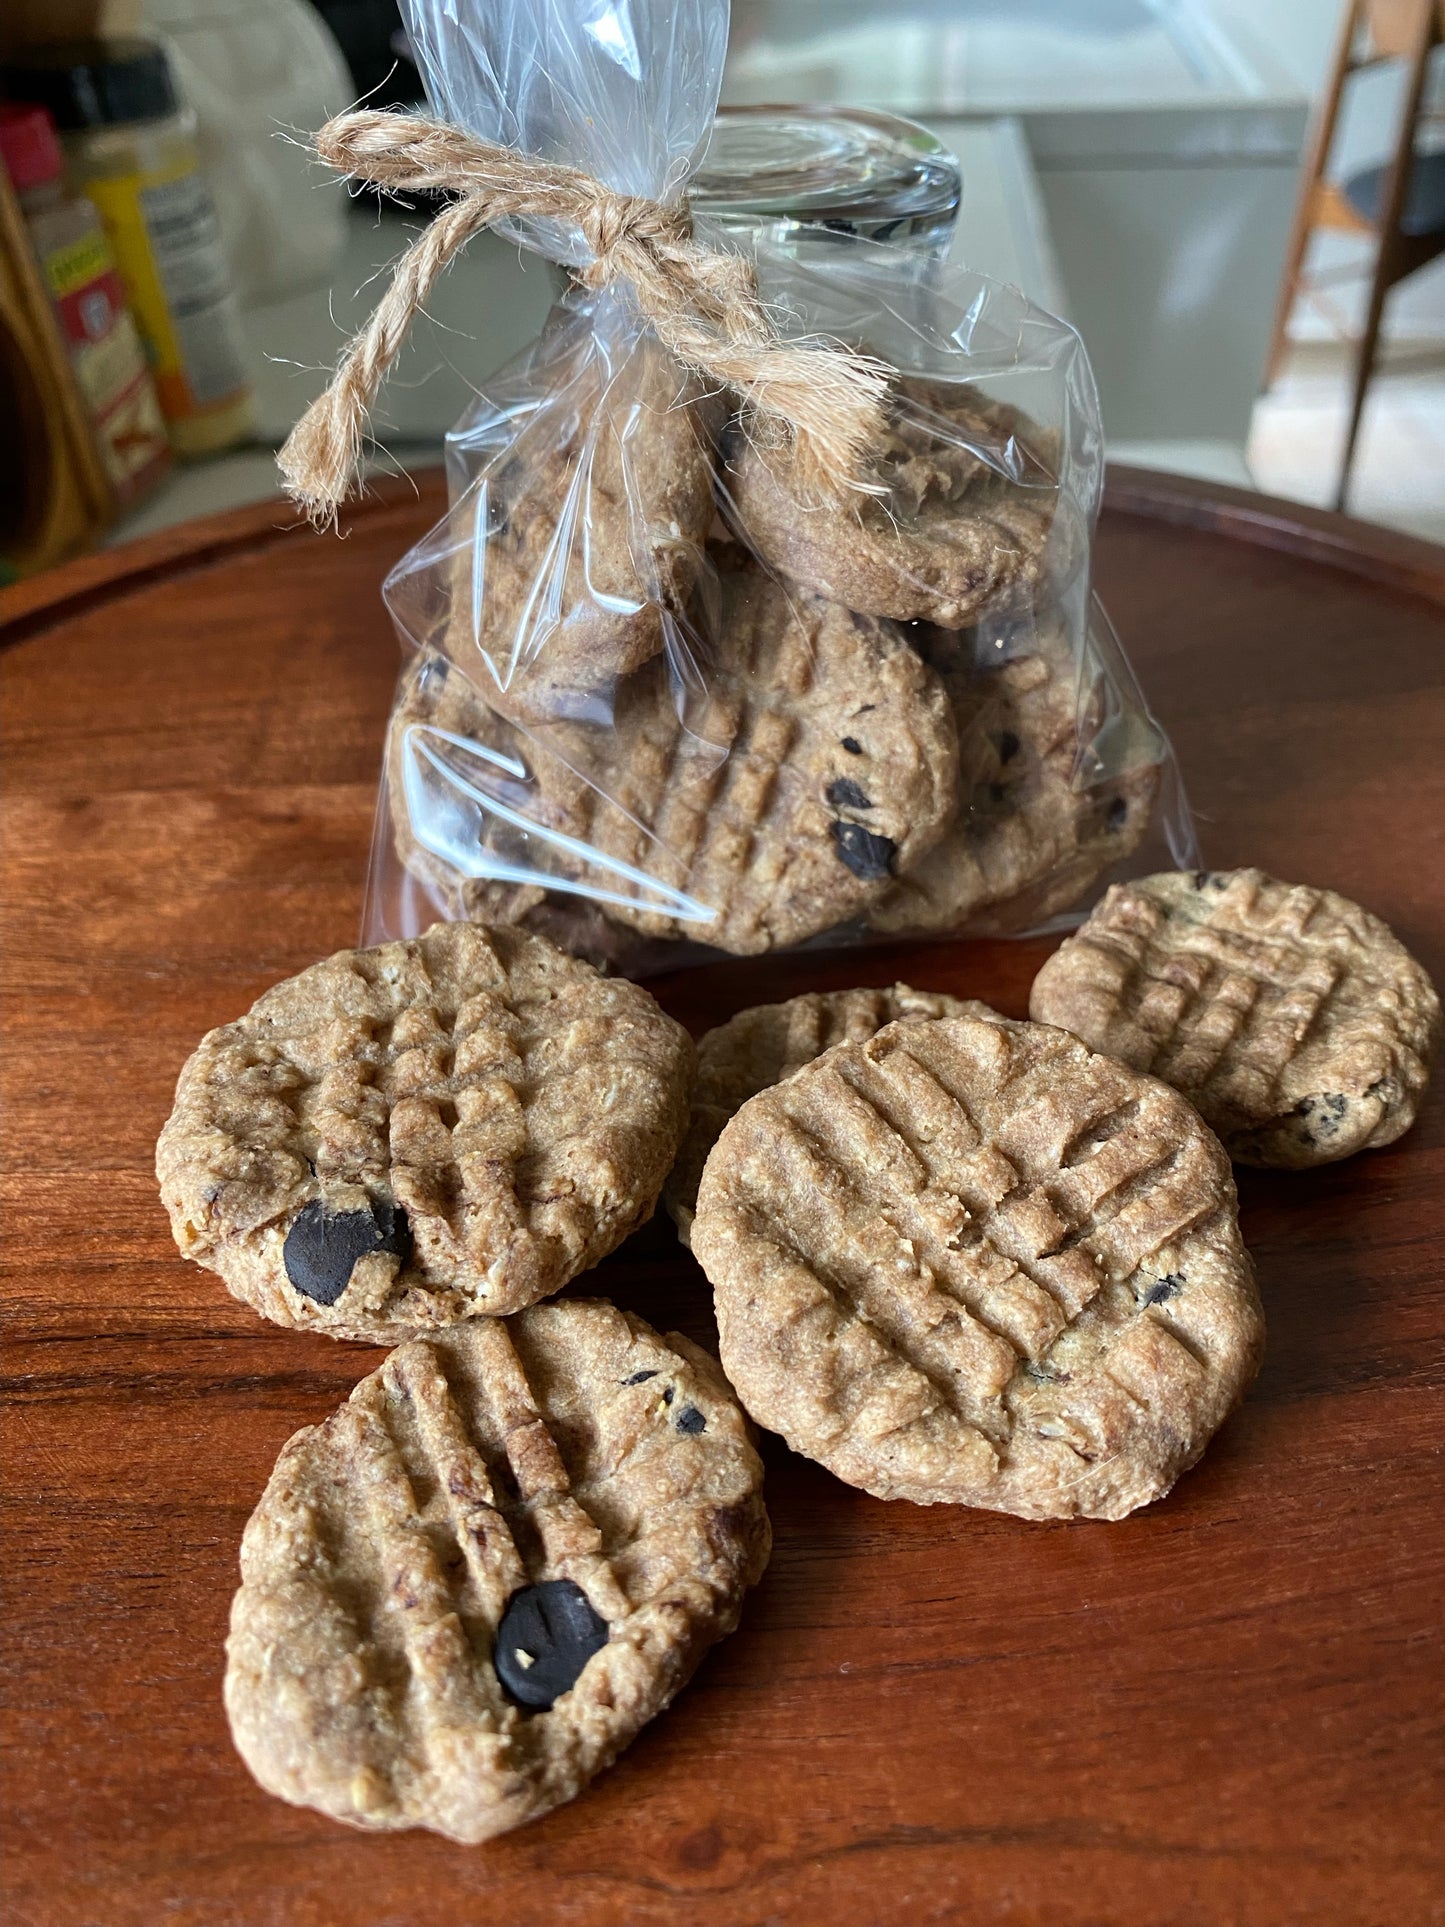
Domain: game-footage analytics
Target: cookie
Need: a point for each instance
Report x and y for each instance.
(1297, 1024)
(1036, 824)
(816, 760)
(441, 736)
(401, 1137)
(969, 1261)
(966, 502)
(573, 550)
(760, 1047)
(466, 1592)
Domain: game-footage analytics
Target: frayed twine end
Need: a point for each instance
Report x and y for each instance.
(704, 306)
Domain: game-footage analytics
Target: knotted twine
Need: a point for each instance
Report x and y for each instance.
(702, 304)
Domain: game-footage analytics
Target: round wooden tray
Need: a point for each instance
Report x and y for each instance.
(1218, 1710)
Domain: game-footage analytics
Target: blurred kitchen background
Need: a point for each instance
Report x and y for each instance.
(1139, 166)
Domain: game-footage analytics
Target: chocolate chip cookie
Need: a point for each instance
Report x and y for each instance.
(971, 1261)
(760, 1047)
(1296, 1022)
(466, 1592)
(401, 1137)
(966, 498)
(814, 761)
(1037, 821)
(568, 554)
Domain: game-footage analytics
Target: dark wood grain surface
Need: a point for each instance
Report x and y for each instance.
(1224, 1709)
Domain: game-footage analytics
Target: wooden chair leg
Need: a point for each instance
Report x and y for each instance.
(1364, 371)
(1387, 217)
(1317, 158)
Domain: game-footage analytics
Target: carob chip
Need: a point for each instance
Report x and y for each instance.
(866, 854)
(852, 745)
(844, 794)
(1322, 1112)
(639, 1378)
(322, 1247)
(690, 1419)
(547, 1635)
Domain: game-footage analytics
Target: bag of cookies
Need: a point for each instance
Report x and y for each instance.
(762, 612)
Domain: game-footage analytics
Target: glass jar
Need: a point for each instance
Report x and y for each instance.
(782, 173)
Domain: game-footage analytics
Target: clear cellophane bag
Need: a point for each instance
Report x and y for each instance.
(663, 696)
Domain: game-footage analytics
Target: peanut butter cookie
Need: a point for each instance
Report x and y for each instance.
(760, 1047)
(568, 554)
(401, 1137)
(818, 761)
(1297, 1024)
(465, 1592)
(967, 499)
(970, 1261)
(1036, 825)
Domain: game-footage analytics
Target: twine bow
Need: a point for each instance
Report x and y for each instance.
(702, 304)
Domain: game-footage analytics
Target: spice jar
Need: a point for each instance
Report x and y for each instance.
(54, 497)
(132, 148)
(75, 263)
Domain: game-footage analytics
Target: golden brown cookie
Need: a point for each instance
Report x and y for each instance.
(818, 761)
(569, 553)
(966, 502)
(1036, 823)
(1296, 1022)
(444, 746)
(760, 1047)
(401, 1137)
(465, 1592)
(970, 1261)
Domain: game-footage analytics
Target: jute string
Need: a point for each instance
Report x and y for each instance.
(702, 304)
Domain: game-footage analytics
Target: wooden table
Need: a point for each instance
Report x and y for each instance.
(1225, 1709)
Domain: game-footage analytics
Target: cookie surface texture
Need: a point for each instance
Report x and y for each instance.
(404, 1136)
(817, 760)
(1296, 1022)
(966, 511)
(570, 554)
(760, 1047)
(970, 1261)
(1033, 831)
(479, 863)
(465, 1592)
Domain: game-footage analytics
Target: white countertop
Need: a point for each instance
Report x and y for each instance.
(936, 58)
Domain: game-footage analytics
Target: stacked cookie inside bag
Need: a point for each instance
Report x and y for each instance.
(666, 687)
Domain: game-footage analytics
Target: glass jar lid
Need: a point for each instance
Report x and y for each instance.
(848, 171)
